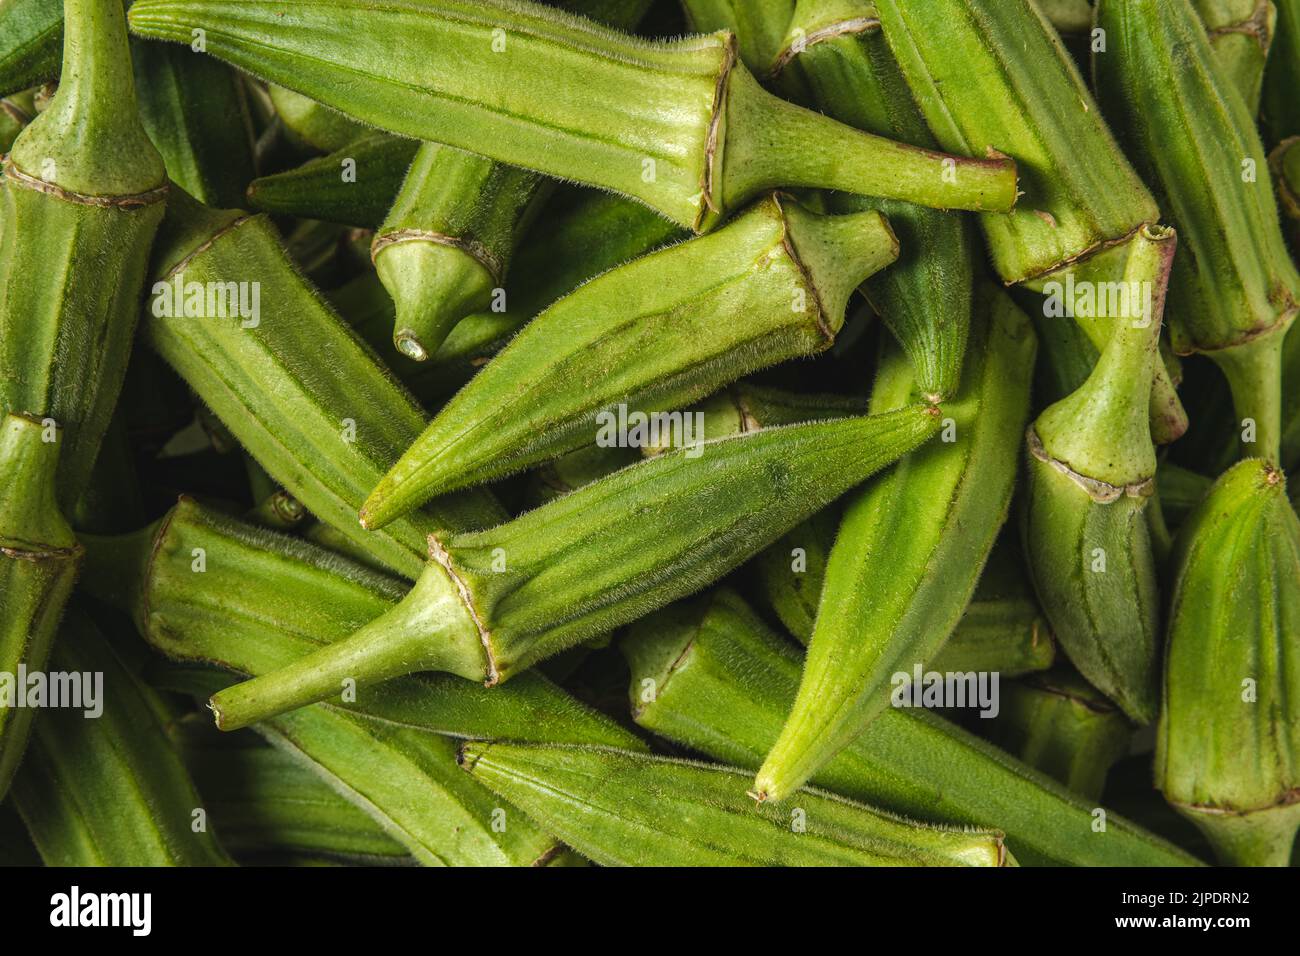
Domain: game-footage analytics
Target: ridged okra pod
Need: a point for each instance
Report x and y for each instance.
(31, 37)
(1234, 289)
(995, 76)
(1280, 111)
(836, 48)
(1091, 472)
(1240, 34)
(492, 604)
(310, 125)
(759, 27)
(83, 197)
(108, 789)
(291, 381)
(1228, 742)
(654, 335)
(910, 548)
(196, 114)
(710, 675)
(622, 808)
(1060, 725)
(282, 599)
(679, 125)
(354, 185)
(38, 564)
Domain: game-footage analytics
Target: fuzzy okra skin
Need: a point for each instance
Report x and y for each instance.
(677, 124)
(1281, 112)
(710, 675)
(910, 549)
(39, 558)
(656, 334)
(83, 196)
(1228, 742)
(283, 598)
(925, 298)
(31, 37)
(1234, 291)
(1240, 34)
(1091, 472)
(493, 603)
(109, 790)
(311, 125)
(292, 383)
(621, 808)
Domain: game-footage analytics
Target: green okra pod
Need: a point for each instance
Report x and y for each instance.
(1234, 291)
(492, 604)
(15, 113)
(38, 563)
(1068, 16)
(108, 789)
(708, 674)
(83, 197)
(1281, 112)
(622, 808)
(910, 549)
(1062, 726)
(354, 185)
(759, 27)
(995, 76)
(309, 124)
(1181, 490)
(1240, 34)
(925, 299)
(1091, 472)
(1227, 756)
(31, 37)
(288, 377)
(196, 113)
(654, 335)
(678, 125)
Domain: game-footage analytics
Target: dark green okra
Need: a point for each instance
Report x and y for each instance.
(1234, 290)
(1091, 472)
(196, 113)
(31, 38)
(677, 124)
(283, 598)
(83, 196)
(1240, 34)
(1059, 724)
(1281, 112)
(836, 47)
(38, 563)
(1228, 742)
(996, 77)
(656, 334)
(622, 808)
(494, 603)
(708, 674)
(109, 790)
(288, 378)
(910, 548)
(15, 113)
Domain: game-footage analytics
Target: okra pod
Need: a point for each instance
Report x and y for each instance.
(678, 125)
(283, 599)
(38, 563)
(31, 37)
(622, 808)
(910, 548)
(288, 377)
(1234, 291)
(654, 335)
(1180, 489)
(492, 604)
(309, 124)
(354, 185)
(996, 77)
(759, 27)
(1062, 726)
(83, 185)
(1068, 16)
(108, 789)
(15, 113)
(1281, 113)
(1091, 472)
(1240, 34)
(708, 674)
(925, 298)
(1226, 745)
(196, 114)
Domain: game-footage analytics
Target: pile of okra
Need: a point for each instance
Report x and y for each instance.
(616, 432)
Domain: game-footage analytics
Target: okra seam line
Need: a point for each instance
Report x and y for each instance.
(1290, 308)
(205, 245)
(475, 249)
(1102, 492)
(440, 554)
(715, 121)
(1255, 25)
(34, 183)
(829, 32)
(41, 553)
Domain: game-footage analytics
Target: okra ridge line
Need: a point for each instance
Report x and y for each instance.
(1100, 491)
(135, 200)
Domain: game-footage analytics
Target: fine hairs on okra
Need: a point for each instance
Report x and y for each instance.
(679, 125)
